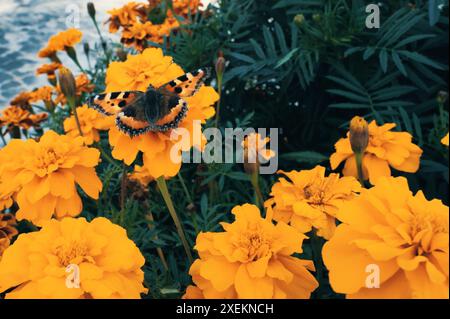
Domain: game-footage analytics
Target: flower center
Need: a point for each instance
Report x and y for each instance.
(73, 252)
(49, 158)
(317, 191)
(255, 243)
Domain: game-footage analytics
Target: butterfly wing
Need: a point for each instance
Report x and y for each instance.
(187, 84)
(114, 102)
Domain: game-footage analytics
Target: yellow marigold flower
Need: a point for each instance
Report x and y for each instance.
(46, 174)
(308, 199)
(404, 236)
(91, 122)
(49, 69)
(126, 16)
(15, 116)
(386, 148)
(64, 39)
(103, 261)
(445, 140)
(82, 85)
(252, 259)
(137, 73)
(7, 231)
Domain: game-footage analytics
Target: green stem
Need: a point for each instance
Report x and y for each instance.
(103, 43)
(359, 159)
(73, 106)
(258, 194)
(189, 198)
(123, 190)
(162, 185)
(105, 155)
(219, 89)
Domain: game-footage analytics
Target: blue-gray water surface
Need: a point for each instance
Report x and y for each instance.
(26, 25)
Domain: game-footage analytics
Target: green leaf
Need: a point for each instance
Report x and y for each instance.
(309, 157)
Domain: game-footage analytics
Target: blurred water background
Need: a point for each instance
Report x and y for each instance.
(26, 25)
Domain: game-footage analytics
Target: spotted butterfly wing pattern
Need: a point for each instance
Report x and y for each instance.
(138, 112)
(113, 103)
(187, 84)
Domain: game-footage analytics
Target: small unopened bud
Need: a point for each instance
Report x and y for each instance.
(359, 134)
(317, 17)
(220, 64)
(91, 10)
(442, 97)
(67, 83)
(121, 54)
(86, 48)
(299, 19)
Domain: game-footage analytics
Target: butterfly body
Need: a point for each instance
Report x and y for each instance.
(139, 112)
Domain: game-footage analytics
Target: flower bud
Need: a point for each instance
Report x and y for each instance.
(91, 10)
(359, 134)
(86, 48)
(299, 19)
(67, 83)
(220, 64)
(442, 97)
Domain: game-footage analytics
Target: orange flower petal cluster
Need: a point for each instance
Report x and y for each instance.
(91, 122)
(137, 73)
(7, 231)
(251, 259)
(126, 15)
(49, 69)
(103, 261)
(44, 175)
(308, 199)
(60, 42)
(43, 94)
(386, 149)
(22, 99)
(186, 7)
(404, 236)
(255, 146)
(15, 116)
(6, 195)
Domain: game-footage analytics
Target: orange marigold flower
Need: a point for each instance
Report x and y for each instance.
(254, 151)
(43, 93)
(61, 41)
(308, 199)
(445, 140)
(141, 175)
(90, 122)
(49, 69)
(137, 73)
(15, 116)
(7, 231)
(22, 99)
(102, 260)
(252, 259)
(184, 7)
(82, 85)
(126, 16)
(386, 148)
(45, 175)
(404, 236)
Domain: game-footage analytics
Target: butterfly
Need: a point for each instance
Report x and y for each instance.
(138, 112)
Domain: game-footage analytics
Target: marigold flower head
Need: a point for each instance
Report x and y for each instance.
(91, 122)
(22, 99)
(7, 231)
(60, 42)
(445, 140)
(404, 235)
(185, 7)
(308, 199)
(45, 175)
(15, 116)
(126, 15)
(255, 151)
(49, 69)
(141, 176)
(252, 259)
(386, 149)
(44, 93)
(137, 73)
(99, 252)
